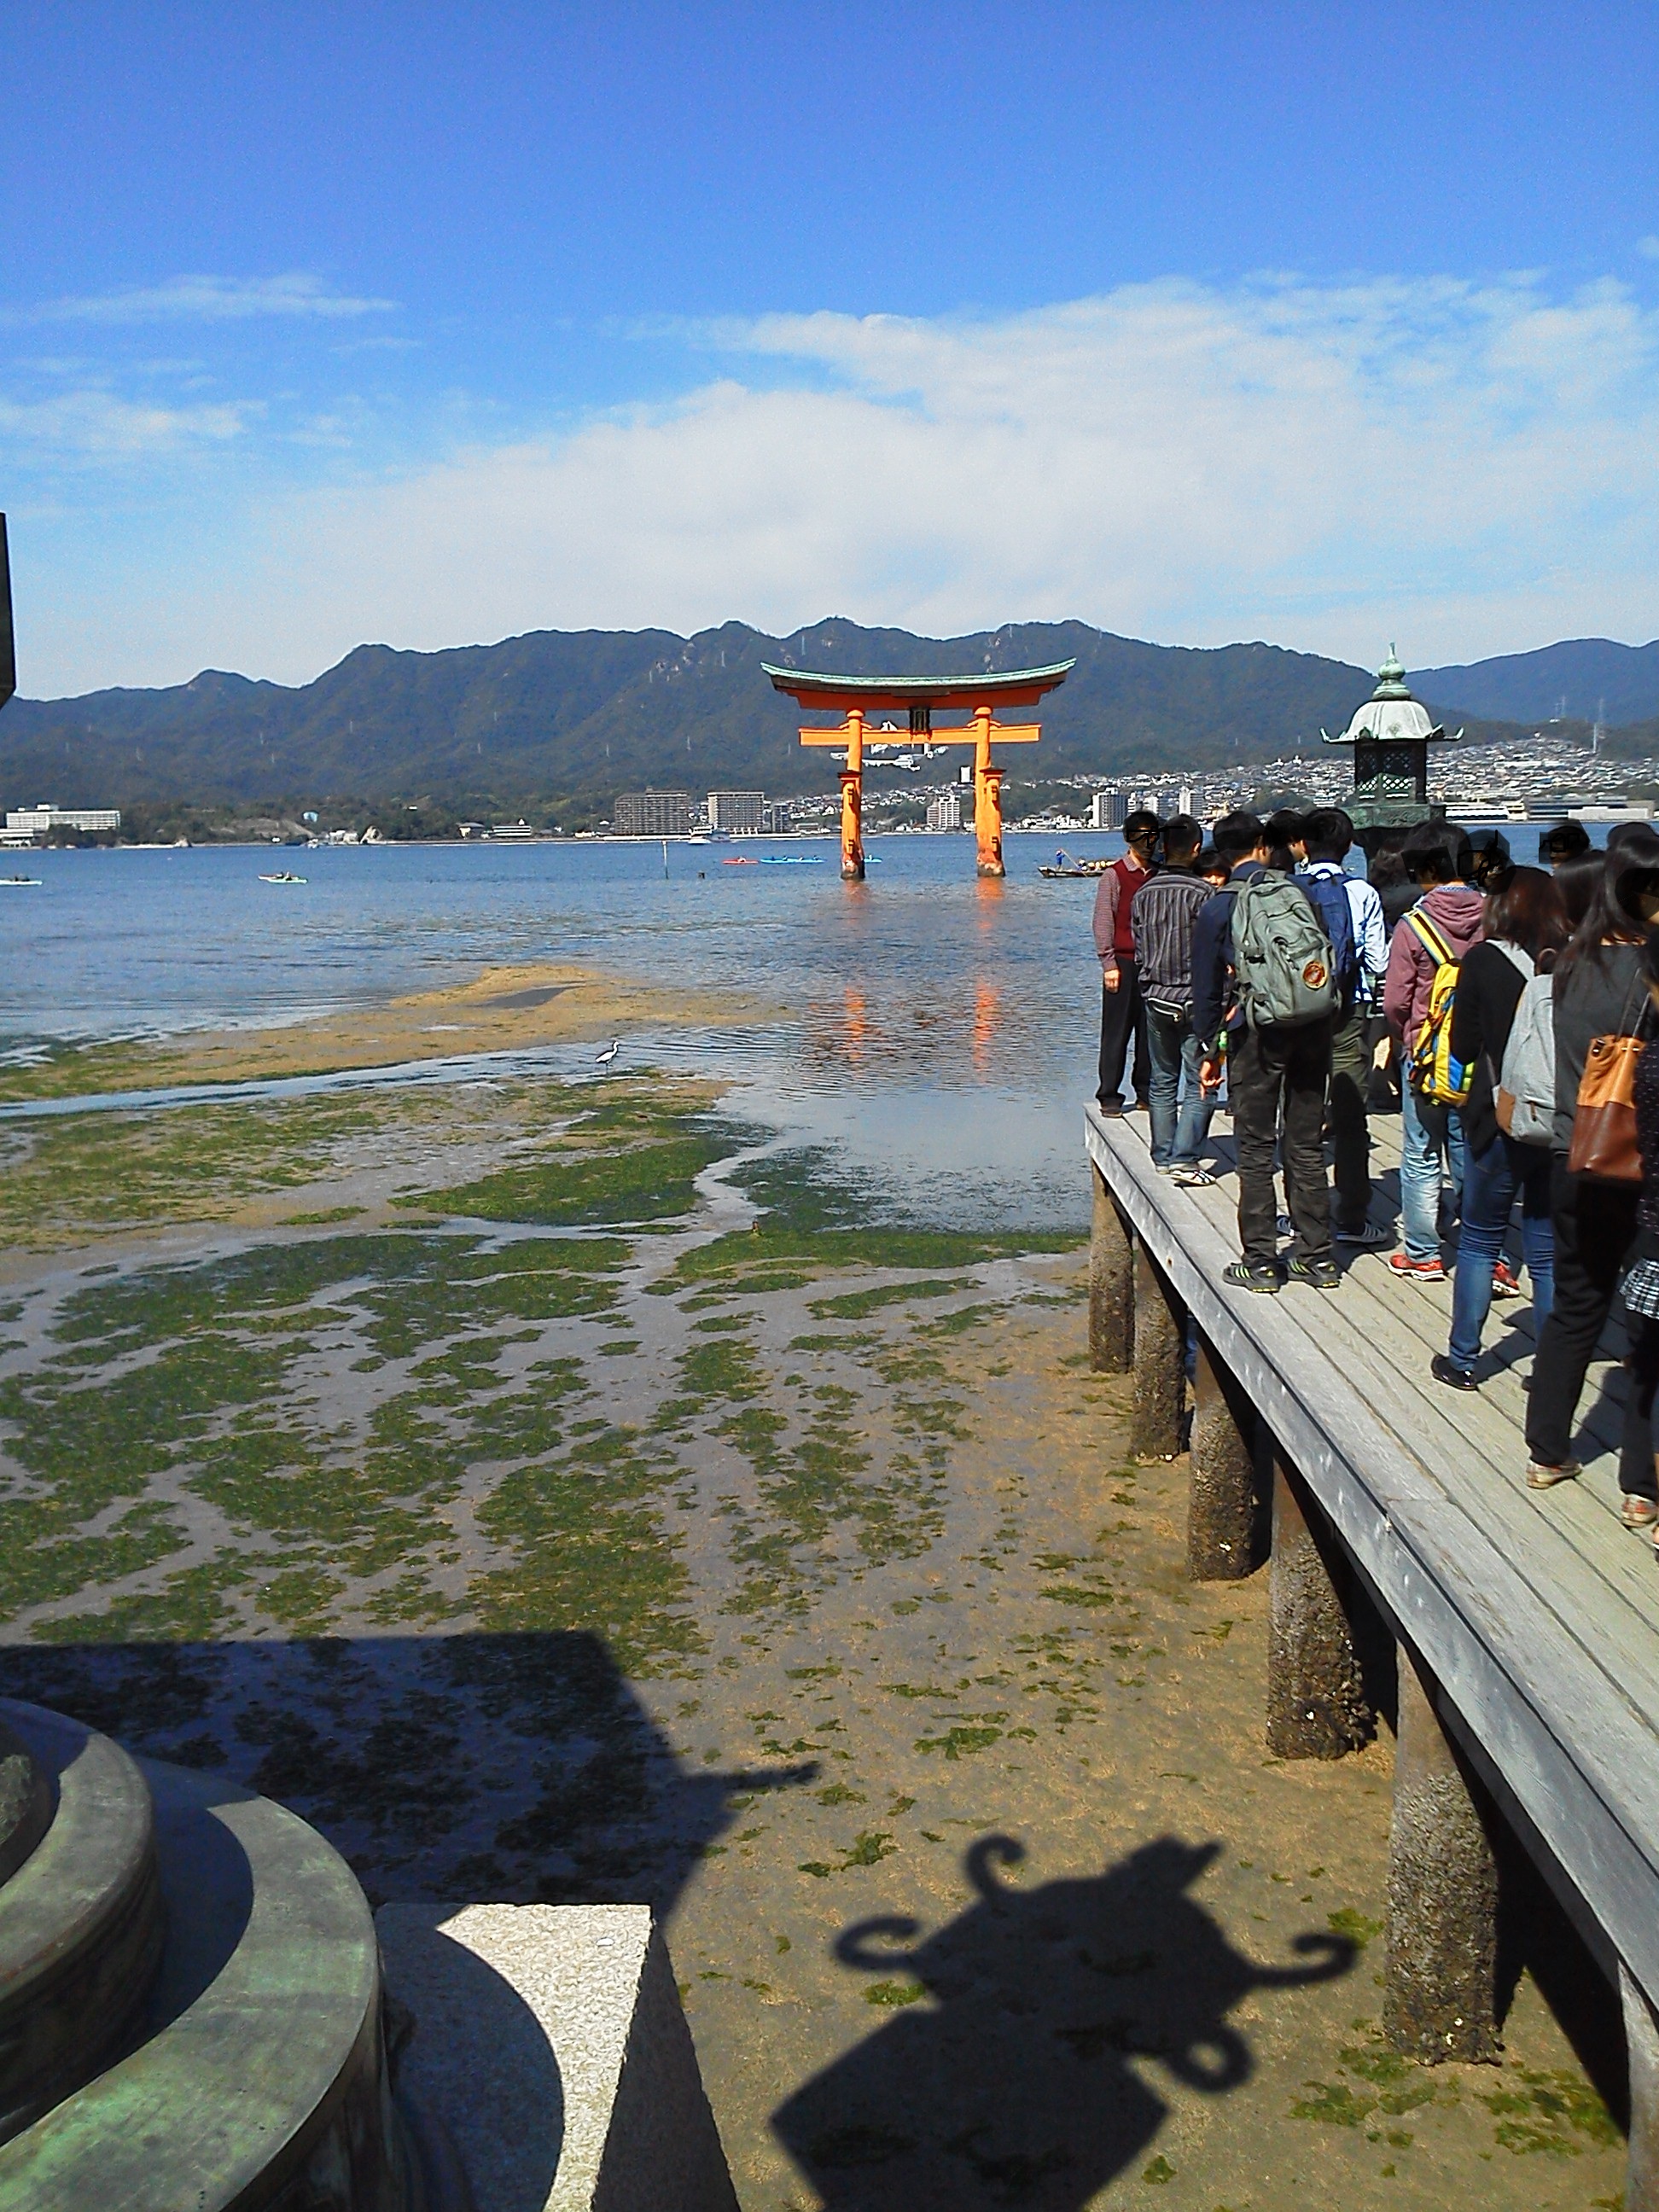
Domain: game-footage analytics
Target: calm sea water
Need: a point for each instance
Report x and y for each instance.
(937, 1033)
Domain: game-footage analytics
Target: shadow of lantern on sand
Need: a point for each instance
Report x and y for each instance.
(1015, 2086)
(513, 1768)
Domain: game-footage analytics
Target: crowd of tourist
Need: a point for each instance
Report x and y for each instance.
(1505, 1012)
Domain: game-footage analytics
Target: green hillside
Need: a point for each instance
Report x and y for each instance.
(569, 718)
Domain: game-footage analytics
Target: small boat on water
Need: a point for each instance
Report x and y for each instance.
(21, 883)
(282, 876)
(1065, 867)
(784, 860)
(738, 860)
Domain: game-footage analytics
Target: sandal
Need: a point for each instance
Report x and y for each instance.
(1637, 1511)
(1542, 1477)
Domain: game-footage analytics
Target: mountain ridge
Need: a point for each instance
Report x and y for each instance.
(565, 718)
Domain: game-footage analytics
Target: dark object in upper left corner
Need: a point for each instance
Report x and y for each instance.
(8, 650)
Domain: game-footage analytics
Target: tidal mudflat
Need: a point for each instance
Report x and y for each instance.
(564, 1491)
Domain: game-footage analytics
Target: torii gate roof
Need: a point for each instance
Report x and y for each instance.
(1017, 687)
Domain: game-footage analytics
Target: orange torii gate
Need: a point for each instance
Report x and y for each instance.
(856, 696)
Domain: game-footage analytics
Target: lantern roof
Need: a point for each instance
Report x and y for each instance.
(1391, 716)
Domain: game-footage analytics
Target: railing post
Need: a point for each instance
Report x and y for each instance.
(1221, 1491)
(1642, 2048)
(1111, 1284)
(1440, 1998)
(1316, 1702)
(1160, 1361)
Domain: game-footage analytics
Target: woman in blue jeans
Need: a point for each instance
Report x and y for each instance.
(1526, 925)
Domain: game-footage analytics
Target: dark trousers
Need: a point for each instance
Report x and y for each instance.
(1350, 1134)
(1123, 1016)
(1594, 1229)
(1270, 1073)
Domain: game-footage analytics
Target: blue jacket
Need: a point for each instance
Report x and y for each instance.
(1212, 961)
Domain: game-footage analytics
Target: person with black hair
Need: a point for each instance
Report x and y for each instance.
(1565, 841)
(1526, 925)
(1122, 1011)
(1492, 866)
(1286, 830)
(1354, 921)
(1270, 1071)
(1165, 909)
(1445, 922)
(1393, 886)
(1599, 990)
(1214, 870)
(1640, 1288)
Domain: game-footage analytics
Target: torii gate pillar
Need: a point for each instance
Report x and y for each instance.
(988, 799)
(852, 802)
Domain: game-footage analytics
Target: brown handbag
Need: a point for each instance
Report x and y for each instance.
(1604, 1127)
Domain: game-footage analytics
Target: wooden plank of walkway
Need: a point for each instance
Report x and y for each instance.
(1537, 1613)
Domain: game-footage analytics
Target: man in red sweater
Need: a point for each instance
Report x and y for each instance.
(1123, 1010)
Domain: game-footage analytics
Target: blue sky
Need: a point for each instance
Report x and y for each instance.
(430, 325)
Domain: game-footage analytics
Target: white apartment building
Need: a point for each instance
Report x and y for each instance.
(40, 821)
(946, 813)
(737, 813)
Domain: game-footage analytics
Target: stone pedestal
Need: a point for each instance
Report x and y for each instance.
(1111, 1284)
(549, 2041)
(1160, 1361)
(1642, 2047)
(1440, 2000)
(1316, 1702)
(1221, 1499)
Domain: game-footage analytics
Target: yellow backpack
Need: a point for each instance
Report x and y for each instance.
(1434, 1074)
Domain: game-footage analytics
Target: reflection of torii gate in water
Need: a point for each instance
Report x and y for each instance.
(858, 695)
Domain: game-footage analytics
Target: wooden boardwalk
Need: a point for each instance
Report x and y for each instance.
(1530, 1619)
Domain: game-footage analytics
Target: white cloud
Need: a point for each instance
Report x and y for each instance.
(1467, 468)
(96, 425)
(207, 299)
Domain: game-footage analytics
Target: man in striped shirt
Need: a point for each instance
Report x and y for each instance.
(1165, 908)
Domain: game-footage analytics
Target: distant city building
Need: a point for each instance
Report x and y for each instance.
(40, 821)
(1189, 798)
(737, 813)
(511, 833)
(780, 818)
(653, 814)
(1110, 810)
(946, 813)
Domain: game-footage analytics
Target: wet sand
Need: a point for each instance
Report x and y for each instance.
(501, 1009)
(556, 1526)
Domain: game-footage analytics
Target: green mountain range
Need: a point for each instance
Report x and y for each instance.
(564, 719)
(560, 716)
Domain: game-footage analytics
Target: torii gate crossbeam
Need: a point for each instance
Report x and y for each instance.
(858, 696)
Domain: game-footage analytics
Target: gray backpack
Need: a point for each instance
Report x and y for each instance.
(1524, 1094)
(1282, 959)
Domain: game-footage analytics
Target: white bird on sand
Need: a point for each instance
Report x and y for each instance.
(608, 1053)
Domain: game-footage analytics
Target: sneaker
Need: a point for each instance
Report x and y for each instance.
(1109, 1109)
(1639, 1512)
(1140, 1106)
(1449, 1372)
(1246, 1275)
(1192, 1178)
(1503, 1281)
(1421, 1271)
(1317, 1274)
(1540, 1475)
(1367, 1237)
